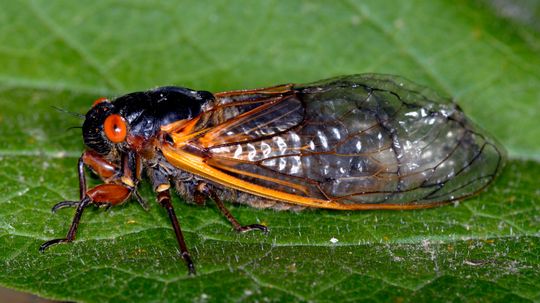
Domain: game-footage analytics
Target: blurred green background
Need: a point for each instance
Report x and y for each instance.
(484, 54)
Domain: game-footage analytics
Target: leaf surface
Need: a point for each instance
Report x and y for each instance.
(68, 53)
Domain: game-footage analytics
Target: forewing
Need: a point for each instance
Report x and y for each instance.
(352, 141)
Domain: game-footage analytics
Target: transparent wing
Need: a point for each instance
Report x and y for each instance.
(364, 139)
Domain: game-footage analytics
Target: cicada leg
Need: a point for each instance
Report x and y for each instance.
(142, 202)
(101, 195)
(236, 225)
(160, 183)
(73, 229)
(65, 204)
(82, 186)
(164, 199)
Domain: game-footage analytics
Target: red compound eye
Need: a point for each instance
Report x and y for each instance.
(115, 128)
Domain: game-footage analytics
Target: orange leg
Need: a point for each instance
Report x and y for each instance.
(108, 193)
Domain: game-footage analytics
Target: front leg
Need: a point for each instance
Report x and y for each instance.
(103, 193)
(108, 193)
(106, 170)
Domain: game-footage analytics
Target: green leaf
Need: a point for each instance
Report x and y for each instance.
(68, 53)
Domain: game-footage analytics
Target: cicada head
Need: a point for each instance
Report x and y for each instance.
(94, 129)
(116, 125)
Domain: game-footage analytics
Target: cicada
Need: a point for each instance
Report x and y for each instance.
(348, 143)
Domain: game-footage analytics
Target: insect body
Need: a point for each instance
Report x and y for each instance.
(352, 143)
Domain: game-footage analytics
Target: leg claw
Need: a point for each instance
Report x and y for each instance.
(64, 204)
(246, 228)
(46, 245)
